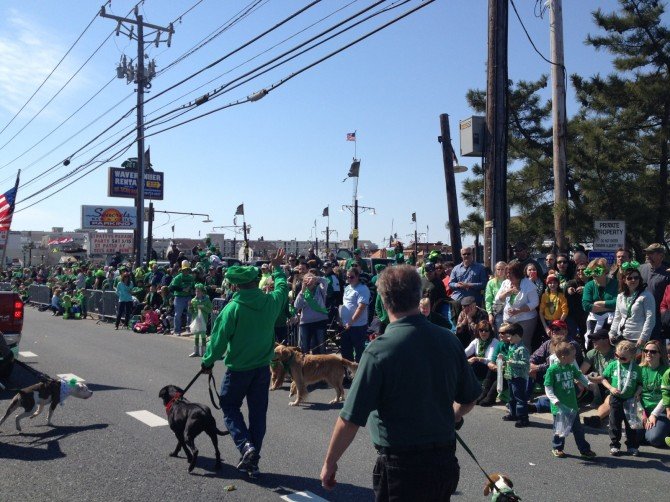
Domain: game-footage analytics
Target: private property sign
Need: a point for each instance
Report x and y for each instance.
(123, 183)
(610, 235)
(110, 243)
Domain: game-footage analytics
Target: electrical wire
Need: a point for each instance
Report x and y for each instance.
(530, 39)
(52, 71)
(246, 44)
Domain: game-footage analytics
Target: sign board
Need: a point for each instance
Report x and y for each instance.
(110, 243)
(610, 256)
(610, 235)
(108, 217)
(123, 183)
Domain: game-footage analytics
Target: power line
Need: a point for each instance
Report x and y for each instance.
(529, 37)
(52, 71)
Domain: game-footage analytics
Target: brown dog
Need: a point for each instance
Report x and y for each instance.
(278, 370)
(308, 369)
(501, 488)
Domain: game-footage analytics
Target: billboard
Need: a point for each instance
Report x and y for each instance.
(123, 183)
(108, 217)
(610, 235)
(109, 243)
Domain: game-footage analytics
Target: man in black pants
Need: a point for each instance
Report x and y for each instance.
(417, 458)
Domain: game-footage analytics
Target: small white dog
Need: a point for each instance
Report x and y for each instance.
(50, 392)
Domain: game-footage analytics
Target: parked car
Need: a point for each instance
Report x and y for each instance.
(11, 326)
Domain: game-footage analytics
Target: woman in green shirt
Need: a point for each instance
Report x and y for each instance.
(495, 309)
(656, 424)
(599, 296)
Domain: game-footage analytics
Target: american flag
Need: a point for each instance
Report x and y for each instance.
(351, 136)
(7, 209)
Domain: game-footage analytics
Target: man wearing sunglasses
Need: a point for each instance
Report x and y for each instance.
(468, 278)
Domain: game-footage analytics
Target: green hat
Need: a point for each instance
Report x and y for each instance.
(241, 275)
(433, 255)
(357, 251)
(200, 286)
(100, 273)
(379, 267)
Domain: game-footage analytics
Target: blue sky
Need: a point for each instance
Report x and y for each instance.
(284, 156)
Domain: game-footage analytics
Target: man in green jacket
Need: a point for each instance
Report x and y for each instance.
(244, 333)
(183, 288)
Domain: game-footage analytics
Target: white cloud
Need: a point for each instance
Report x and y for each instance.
(28, 52)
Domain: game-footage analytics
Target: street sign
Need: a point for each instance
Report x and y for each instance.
(610, 256)
(123, 183)
(610, 235)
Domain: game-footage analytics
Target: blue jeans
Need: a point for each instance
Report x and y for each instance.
(353, 339)
(657, 434)
(252, 385)
(543, 404)
(518, 398)
(180, 305)
(558, 443)
(313, 334)
(445, 310)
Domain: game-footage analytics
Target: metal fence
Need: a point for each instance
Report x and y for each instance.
(102, 304)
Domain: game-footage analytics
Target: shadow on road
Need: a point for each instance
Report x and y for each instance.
(50, 438)
(97, 387)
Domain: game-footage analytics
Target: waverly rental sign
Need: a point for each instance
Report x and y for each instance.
(108, 217)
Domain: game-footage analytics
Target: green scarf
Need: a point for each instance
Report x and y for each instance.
(309, 298)
(481, 347)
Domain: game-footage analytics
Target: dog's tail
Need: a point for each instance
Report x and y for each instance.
(349, 366)
(222, 433)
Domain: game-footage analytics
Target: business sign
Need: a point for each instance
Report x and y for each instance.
(109, 243)
(610, 235)
(108, 217)
(610, 256)
(123, 183)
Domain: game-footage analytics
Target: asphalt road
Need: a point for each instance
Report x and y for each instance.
(96, 451)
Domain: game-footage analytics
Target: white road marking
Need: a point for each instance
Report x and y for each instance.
(27, 354)
(70, 376)
(303, 497)
(148, 418)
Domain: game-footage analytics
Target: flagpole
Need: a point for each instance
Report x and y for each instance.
(355, 144)
(11, 213)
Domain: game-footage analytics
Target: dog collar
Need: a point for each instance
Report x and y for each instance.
(168, 406)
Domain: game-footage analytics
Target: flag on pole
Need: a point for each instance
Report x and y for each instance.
(240, 210)
(351, 136)
(354, 169)
(325, 211)
(414, 217)
(7, 209)
(147, 160)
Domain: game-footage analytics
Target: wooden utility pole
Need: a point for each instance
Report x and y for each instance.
(495, 179)
(559, 126)
(450, 180)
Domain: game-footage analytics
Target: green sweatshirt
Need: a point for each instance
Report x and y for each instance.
(244, 331)
(665, 388)
(206, 306)
(183, 285)
(380, 310)
(492, 288)
(593, 294)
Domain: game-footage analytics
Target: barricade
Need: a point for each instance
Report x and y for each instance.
(5, 286)
(39, 294)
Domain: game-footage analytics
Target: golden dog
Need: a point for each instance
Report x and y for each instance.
(278, 371)
(308, 369)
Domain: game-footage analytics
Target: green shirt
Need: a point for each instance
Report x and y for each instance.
(599, 361)
(665, 388)
(651, 386)
(517, 362)
(412, 354)
(380, 310)
(183, 285)
(561, 378)
(612, 371)
(492, 288)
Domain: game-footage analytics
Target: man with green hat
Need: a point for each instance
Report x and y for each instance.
(182, 286)
(357, 260)
(244, 333)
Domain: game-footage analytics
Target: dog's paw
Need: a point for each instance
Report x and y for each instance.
(173, 454)
(292, 403)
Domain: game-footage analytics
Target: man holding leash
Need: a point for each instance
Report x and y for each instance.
(244, 332)
(415, 385)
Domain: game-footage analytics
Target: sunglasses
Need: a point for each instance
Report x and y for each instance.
(581, 269)
(651, 352)
(633, 278)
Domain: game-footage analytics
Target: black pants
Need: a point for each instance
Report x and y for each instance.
(124, 309)
(416, 476)
(616, 417)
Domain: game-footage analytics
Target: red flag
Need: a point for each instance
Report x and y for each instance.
(7, 209)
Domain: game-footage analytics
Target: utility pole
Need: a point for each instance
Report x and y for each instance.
(559, 125)
(450, 180)
(495, 179)
(142, 80)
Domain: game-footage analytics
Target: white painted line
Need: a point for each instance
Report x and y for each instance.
(27, 354)
(70, 376)
(148, 418)
(303, 497)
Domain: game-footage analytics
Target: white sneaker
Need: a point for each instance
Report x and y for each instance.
(615, 451)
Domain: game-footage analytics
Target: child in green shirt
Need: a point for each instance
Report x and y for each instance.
(559, 385)
(200, 304)
(623, 378)
(516, 369)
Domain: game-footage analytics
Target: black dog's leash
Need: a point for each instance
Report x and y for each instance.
(192, 382)
(510, 497)
(211, 381)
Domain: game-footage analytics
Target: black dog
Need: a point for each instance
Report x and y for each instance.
(187, 420)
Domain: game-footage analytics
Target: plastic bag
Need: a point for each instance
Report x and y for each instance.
(563, 421)
(500, 376)
(199, 324)
(630, 411)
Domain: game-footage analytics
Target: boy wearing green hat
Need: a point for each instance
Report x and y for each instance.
(200, 304)
(244, 333)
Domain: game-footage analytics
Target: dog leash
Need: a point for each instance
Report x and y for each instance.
(192, 382)
(211, 381)
(511, 498)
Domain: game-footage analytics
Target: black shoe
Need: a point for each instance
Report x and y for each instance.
(247, 459)
(253, 472)
(524, 422)
(509, 418)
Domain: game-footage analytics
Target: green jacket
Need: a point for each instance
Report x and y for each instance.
(244, 331)
(380, 310)
(592, 294)
(183, 285)
(206, 306)
(492, 288)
